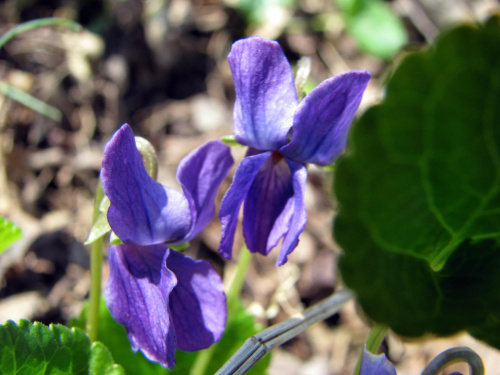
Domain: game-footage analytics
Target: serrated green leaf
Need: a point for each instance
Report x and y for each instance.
(419, 192)
(239, 327)
(114, 336)
(101, 361)
(9, 233)
(33, 349)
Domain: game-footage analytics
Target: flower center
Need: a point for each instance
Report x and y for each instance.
(276, 157)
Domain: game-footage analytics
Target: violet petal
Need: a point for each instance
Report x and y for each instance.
(268, 206)
(372, 364)
(200, 174)
(142, 211)
(323, 118)
(298, 220)
(265, 93)
(137, 295)
(197, 304)
(231, 203)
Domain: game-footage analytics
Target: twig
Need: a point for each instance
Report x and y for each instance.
(258, 345)
(454, 355)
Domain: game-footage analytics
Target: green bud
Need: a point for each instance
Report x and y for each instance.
(148, 155)
(302, 75)
(230, 140)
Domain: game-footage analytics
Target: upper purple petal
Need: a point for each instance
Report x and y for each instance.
(142, 211)
(231, 203)
(200, 174)
(197, 304)
(268, 205)
(265, 93)
(298, 220)
(137, 295)
(372, 364)
(323, 118)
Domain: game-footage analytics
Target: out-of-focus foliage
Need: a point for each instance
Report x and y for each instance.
(20, 96)
(9, 233)
(376, 29)
(27, 348)
(256, 11)
(419, 192)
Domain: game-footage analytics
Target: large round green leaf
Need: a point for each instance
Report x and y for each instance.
(419, 192)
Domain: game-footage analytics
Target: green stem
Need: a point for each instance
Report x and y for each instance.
(95, 274)
(203, 358)
(202, 361)
(30, 25)
(373, 341)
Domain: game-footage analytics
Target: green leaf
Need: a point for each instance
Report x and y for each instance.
(34, 349)
(239, 327)
(180, 247)
(101, 225)
(101, 361)
(376, 29)
(114, 336)
(230, 140)
(114, 240)
(419, 192)
(9, 233)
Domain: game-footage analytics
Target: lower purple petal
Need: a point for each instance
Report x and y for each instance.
(299, 216)
(372, 364)
(197, 304)
(137, 295)
(231, 203)
(268, 205)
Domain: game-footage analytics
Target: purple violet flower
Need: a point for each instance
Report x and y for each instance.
(165, 300)
(373, 364)
(282, 135)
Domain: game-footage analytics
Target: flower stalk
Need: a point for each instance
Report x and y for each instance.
(202, 360)
(244, 260)
(96, 253)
